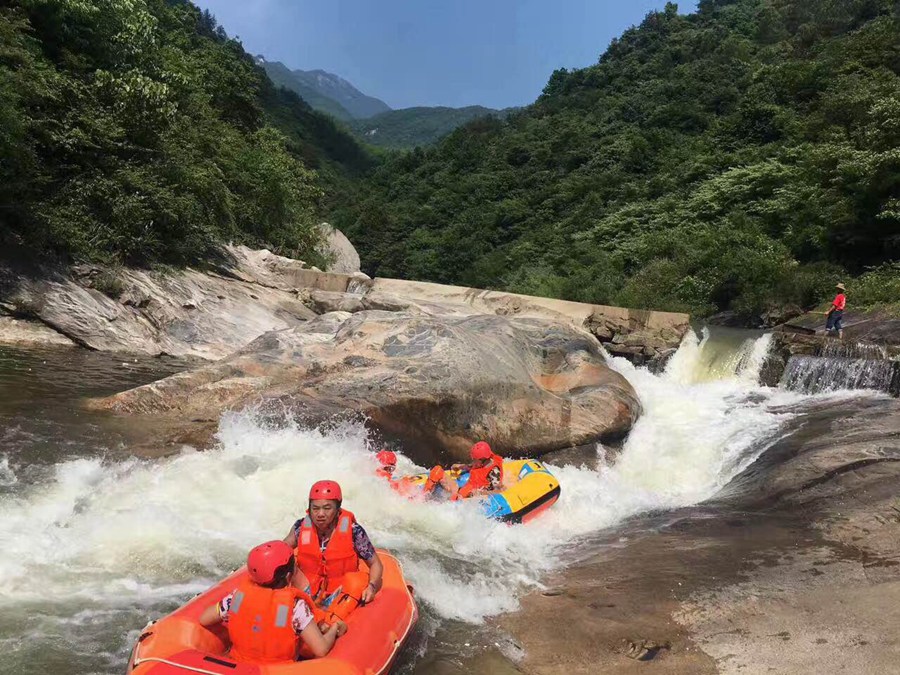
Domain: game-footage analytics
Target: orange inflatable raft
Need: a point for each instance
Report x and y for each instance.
(178, 645)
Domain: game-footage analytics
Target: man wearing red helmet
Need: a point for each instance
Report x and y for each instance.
(485, 472)
(256, 612)
(329, 546)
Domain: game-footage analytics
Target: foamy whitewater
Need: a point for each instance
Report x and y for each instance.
(95, 550)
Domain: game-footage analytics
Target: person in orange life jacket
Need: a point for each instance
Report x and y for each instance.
(834, 322)
(329, 544)
(435, 478)
(388, 464)
(269, 620)
(485, 473)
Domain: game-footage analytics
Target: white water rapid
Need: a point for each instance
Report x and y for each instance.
(96, 547)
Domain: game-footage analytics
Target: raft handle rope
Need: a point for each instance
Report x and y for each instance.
(193, 669)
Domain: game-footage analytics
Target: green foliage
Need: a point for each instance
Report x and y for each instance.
(411, 127)
(136, 131)
(878, 287)
(738, 158)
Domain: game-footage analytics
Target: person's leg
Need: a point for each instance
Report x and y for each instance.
(839, 327)
(352, 587)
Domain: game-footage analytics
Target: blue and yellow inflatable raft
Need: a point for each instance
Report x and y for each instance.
(529, 489)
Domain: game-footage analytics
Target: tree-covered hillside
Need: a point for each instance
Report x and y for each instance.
(410, 127)
(137, 131)
(740, 157)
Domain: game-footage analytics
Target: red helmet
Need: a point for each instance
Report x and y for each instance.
(481, 450)
(386, 458)
(266, 558)
(326, 489)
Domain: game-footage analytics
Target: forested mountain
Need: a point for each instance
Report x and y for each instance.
(372, 120)
(743, 156)
(325, 91)
(282, 76)
(137, 131)
(409, 127)
(359, 105)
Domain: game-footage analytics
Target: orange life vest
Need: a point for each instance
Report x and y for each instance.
(479, 476)
(325, 569)
(259, 623)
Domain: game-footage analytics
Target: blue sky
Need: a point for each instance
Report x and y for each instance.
(495, 53)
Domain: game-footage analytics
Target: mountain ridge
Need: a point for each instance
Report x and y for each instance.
(324, 91)
(407, 128)
(368, 117)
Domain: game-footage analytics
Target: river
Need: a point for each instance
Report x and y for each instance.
(97, 539)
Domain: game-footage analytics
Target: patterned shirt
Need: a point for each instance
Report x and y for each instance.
(361, 542)
(300, 618)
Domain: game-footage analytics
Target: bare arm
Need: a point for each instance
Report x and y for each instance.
(319, 643)
(376, 571)
(210, 616)
(291, 538)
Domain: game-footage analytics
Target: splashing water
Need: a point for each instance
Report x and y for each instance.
(99, 546)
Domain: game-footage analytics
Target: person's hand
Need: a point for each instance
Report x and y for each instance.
(340, 627)
(369, 594)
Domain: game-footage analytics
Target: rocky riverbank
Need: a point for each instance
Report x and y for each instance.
(434, 366)
(794, 568)
(213, 312)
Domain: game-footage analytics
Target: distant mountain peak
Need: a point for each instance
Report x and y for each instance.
(325, 91)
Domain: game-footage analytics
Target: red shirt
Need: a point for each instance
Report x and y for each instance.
(840, 300)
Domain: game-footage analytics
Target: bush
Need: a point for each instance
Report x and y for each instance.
(877, 288)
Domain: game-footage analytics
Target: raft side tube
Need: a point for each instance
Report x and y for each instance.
(178, 645)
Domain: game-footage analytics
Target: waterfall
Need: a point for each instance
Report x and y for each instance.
(719, 355)
(856, 366)
(359, 286)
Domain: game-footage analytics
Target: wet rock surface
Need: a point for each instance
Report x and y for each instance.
(530, 385)
(793, 568)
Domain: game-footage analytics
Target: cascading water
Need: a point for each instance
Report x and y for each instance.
(730, 354)
(95, 544)
(839, 366)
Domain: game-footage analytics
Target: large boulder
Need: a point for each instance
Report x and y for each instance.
(528, 385)
(340, 252)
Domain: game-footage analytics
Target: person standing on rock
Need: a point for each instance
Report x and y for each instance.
(329, 546)
(485, 473)
(834, 321)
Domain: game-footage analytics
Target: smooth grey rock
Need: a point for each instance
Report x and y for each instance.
(528, 385)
